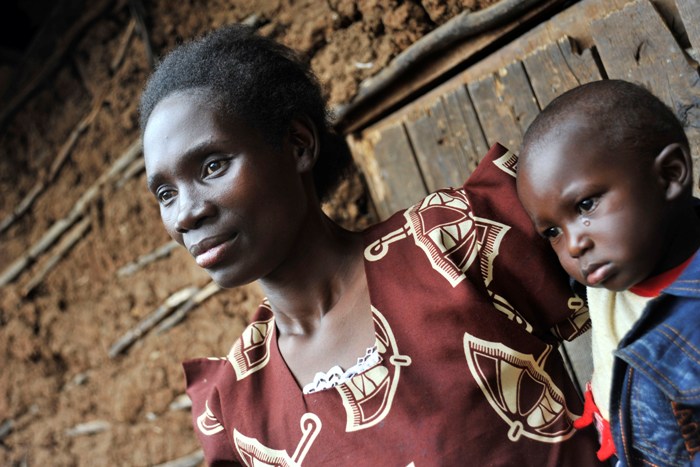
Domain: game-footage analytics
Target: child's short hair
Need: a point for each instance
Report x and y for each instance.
(258, 80)
(626, 114)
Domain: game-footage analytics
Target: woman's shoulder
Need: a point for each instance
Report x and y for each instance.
(478, 235)
(248, 352)
(495, 172)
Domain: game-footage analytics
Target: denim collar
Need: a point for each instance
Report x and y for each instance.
(688, 283)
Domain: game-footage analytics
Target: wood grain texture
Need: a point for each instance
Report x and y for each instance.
(505, 105)
(635, 44)
(464, 126)
(689, 11)
(390, 167)
(556, 67)
(439, 157)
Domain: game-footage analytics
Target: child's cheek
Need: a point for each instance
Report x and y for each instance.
(569, 264)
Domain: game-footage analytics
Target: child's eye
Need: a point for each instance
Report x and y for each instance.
(165, 195)
(551, 233)
(586, 205)
(214, 166)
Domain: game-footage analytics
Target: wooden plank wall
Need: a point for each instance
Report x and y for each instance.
(437, 140)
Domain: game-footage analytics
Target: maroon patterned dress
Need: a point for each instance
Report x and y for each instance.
(469, 306)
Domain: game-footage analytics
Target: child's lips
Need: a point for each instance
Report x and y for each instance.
(597, 273)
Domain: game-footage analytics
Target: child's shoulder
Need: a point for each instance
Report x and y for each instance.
(668, 353)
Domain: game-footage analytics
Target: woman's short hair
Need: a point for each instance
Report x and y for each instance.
(258, 80)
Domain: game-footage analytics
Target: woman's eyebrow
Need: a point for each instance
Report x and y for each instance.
(191, 153)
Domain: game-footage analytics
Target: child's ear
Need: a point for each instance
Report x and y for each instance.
(303, 137)
(673, 166)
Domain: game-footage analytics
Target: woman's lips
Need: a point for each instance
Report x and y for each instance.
(597, 273)
(210, 251)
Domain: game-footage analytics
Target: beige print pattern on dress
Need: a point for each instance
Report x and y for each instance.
(367, 397)
(521, 392)
(255, 454)
(207, 422)
(445, 228)
(251, 352)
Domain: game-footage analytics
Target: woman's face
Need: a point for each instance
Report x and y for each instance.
(234, 201)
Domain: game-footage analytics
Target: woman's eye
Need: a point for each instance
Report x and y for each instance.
(551, 233)
(586, 205)
(214, 166)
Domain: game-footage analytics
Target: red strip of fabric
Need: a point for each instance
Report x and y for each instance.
(591, 415)
(653, 286)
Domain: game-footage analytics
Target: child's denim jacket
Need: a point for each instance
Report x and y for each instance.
(655, 398)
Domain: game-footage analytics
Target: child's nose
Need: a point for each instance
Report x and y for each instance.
(578, 242)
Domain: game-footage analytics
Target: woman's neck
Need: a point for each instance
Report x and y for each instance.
(325, 265)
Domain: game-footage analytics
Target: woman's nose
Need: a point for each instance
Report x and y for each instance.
(192, 211)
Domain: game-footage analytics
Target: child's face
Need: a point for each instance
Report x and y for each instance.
(601, 208)
(235, 202)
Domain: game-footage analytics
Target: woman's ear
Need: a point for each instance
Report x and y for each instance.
(303, 137)
(673, 166)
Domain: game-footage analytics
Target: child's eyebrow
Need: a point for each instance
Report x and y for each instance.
(152, 181)
(574, 190)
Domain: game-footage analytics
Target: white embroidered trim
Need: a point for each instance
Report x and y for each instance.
(336, 376)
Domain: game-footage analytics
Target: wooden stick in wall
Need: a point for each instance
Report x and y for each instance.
(146, 324)
(59, 227)
(67, 242)
(58, 162)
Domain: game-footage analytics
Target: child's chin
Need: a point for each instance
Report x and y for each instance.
(614, 286)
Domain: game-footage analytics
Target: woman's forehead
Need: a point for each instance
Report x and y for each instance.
(177, 126)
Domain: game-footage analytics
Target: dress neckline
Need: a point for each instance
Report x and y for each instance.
(336, 376)
(367, 364)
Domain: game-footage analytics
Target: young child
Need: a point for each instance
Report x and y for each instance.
(605, 174)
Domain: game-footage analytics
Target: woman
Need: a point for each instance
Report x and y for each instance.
(428, 339)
